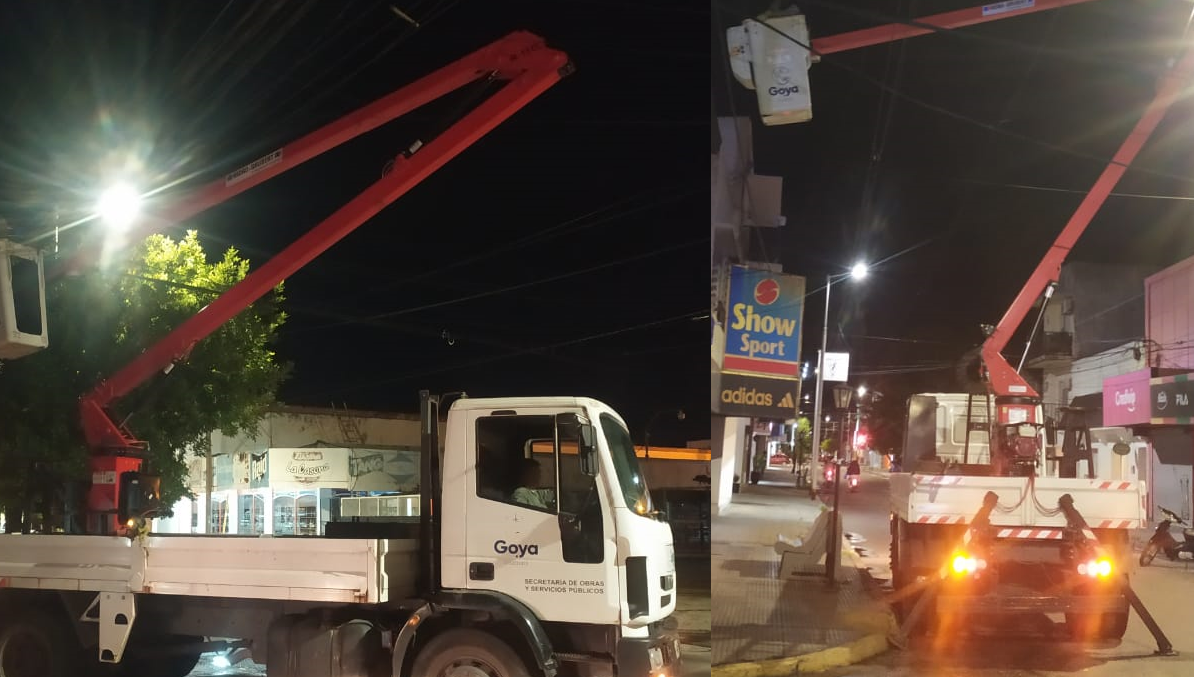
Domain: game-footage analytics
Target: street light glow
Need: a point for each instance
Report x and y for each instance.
(119, 206)
(859, 271)
(861, 391)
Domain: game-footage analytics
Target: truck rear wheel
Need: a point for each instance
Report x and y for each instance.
(1110, 625)
(35, 644)
(468, 653)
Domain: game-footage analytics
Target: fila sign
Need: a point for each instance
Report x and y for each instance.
(753, 396)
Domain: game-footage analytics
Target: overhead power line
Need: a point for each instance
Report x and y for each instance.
(946, 112)
(516, 353)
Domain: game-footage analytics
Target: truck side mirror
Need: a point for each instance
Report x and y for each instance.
(140, 496)
(588, 449)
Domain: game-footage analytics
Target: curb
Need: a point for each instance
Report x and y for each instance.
(882, 624)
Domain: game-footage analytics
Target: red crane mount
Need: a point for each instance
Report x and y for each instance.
(524, 66)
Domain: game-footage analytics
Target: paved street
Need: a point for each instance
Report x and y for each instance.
(1037, 646)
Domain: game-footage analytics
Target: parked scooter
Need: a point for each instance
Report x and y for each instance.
(1163, 541)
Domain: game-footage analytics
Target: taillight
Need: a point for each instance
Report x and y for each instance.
(964, 564)
(1095, 568)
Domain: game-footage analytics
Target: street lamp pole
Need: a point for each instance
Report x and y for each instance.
(858, 271)
(815, 467)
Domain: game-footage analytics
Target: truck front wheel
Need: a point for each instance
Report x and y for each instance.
(34, 644)
(468, 653)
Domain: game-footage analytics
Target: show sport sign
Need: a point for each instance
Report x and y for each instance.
(763, 323)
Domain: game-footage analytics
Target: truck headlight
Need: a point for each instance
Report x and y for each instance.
(655, 655)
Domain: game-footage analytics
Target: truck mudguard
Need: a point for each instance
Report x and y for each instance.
(500, 605)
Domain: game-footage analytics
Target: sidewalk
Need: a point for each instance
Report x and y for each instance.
(765, 626)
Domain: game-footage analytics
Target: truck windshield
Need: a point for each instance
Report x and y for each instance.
(630, 475)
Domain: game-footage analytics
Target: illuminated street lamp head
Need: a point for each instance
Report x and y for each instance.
(859, 271)
(119, 206)
(861, 391)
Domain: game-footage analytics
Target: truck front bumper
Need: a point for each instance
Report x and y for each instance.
(1010, 604)
(656, 656)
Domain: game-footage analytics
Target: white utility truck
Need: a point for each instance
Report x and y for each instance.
(484, 581)
(1005, 544)
(578, 587)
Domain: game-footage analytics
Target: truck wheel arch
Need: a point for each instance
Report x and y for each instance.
(502, 608)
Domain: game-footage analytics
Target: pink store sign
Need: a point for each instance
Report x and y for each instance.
(1125, 399)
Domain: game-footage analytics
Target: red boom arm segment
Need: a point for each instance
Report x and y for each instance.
(1003, 378)
(521, 58)
(501, 56)
(955, 19)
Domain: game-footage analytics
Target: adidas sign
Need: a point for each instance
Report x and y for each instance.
(742, 395)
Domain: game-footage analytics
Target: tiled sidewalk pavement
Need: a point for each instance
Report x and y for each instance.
(758, 617)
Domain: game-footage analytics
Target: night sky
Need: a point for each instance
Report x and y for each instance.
(958, 204)
(564, 253)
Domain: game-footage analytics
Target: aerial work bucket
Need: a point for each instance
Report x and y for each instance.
(22, 301)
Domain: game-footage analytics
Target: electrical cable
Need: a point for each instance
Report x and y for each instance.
(521, 285)
(571, 226)
(424, 331)
(941, 110)
(1074, 191)
(882, 18)
(516, 353)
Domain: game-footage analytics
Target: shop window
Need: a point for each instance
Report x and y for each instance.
(306, 513)
(284, 514)
(219, 515)
(252, 514)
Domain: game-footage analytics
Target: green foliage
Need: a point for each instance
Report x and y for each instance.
(829, 445)
(100, 322)
(804, 439)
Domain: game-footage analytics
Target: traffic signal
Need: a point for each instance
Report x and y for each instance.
(860, 439)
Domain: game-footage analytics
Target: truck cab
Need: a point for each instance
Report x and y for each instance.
(591, 549)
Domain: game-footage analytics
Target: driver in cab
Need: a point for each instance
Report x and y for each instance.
(528, 478)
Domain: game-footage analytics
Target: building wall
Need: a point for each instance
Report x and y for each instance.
(1105, 303)
(302, 426)
(1088, 372)
(729, 435)
(1169, 297)
(1056, 389)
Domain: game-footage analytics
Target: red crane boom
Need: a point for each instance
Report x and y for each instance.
(521, 60)
(1015, 399)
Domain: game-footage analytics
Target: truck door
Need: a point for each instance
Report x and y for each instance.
(538, 527)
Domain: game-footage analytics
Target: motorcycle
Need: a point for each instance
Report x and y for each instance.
(1163, 541)
(853, 481)
(827, 476)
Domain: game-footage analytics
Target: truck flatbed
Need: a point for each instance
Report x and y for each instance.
(953, 499)
(274, 568)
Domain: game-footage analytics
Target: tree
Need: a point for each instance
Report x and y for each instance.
(98, 323)
(804, 442)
